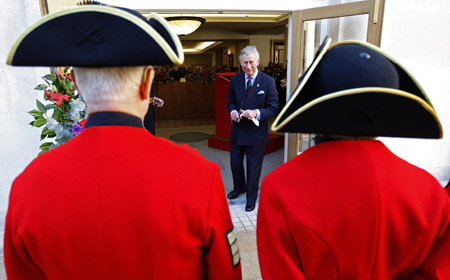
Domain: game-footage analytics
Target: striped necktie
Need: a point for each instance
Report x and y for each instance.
(249, 84)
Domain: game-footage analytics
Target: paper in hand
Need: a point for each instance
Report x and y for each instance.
(255, 121)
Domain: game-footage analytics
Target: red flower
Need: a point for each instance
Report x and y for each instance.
(82, 122)
(58, 97)
(57, 73)
(46, 93)
(68, 77)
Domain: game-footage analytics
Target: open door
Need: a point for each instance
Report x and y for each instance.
(358, 20)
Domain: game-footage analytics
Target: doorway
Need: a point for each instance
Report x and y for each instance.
(358, 20)
(306, 28)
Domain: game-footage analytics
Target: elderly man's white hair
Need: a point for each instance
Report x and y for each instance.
(107, 85)
(249, 50)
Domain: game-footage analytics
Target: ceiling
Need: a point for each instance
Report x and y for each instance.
(240, 24)
(246, 24)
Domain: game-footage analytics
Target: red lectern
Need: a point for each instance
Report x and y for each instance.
(221, 139)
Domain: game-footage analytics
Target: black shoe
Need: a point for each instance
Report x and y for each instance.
(233, 194)
(249, 207)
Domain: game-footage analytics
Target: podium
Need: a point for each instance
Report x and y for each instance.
(221, 139)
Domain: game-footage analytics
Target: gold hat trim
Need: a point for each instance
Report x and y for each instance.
(355, 91)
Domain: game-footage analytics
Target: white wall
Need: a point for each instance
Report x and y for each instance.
(263, 45)
(262, 42)
(204, 59)
(416, 33)
(19, 142)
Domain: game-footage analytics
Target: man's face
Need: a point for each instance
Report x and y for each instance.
(249, 64)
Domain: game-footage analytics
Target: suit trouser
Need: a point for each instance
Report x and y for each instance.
(149, 119)
(255, 156)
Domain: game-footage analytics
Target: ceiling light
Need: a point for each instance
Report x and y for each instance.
(190, 47)
(184, 25)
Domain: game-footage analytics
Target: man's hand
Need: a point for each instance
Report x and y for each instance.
(249, 114)
(158, 101)
(235, 116)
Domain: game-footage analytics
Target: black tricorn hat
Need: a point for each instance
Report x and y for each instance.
(97, 36)
(354, 89)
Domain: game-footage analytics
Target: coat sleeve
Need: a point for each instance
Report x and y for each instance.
(222, 258)
(18, 263)
(278, 256)
(231, 100)
(437, 263)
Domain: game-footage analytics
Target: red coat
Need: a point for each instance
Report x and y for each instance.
(116, 202)
(352, 210)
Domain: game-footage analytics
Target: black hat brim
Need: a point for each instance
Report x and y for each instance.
(97, 36)
(358, 112)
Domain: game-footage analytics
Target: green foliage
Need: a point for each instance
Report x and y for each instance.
(40, 87)
(50, 77)
(41, 106)
(39, 122)
(62, 109)
(36, 114)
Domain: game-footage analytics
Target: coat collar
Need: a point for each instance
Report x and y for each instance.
(253, 76)
(113, 118)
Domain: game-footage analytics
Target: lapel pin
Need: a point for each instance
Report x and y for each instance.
(257, 85)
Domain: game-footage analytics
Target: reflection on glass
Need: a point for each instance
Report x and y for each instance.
(338, 29)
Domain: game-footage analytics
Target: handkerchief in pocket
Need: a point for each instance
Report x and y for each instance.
(261, 92)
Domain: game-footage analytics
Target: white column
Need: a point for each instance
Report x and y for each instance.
(19, 142)
(415, 33)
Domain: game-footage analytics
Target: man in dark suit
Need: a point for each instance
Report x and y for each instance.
(252, 99)
(149, 119)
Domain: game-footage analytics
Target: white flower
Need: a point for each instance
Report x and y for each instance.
(74, 115)
(67, 133)
(51, 123)
(59, 130)
(76, 105)
(54, 145)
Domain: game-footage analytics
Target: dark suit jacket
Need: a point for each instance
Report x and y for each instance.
(263, 96)
(149, 119)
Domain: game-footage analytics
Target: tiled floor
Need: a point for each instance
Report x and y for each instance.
(243, 221)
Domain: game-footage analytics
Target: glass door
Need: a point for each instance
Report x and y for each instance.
(360, 20)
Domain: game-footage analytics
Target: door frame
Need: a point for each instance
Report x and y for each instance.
(375, 10)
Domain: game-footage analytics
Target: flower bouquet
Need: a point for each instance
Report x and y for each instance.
(63, 115)
(163, 75)
(203, 75)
